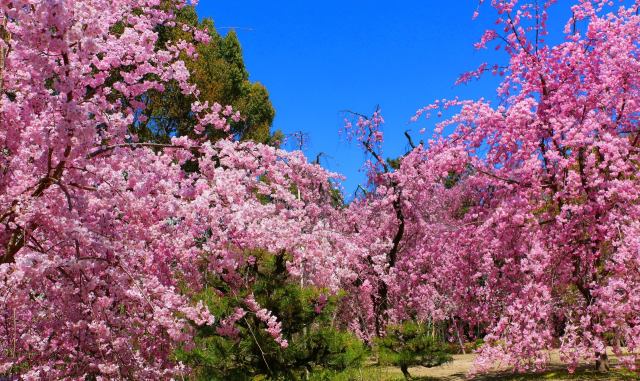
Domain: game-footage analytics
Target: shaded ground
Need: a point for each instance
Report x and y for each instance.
(461, 364)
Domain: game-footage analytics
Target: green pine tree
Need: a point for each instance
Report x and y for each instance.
(221, 77)
(411, 344)
(315, 349)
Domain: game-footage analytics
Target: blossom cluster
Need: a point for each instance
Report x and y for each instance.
(274, 327)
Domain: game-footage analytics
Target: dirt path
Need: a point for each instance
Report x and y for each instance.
(457, 371)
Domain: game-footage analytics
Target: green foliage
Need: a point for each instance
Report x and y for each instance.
(469, 347)
(474, 345)
(411, 344)
(452, 179)
(315, 349)
(220, 75)
(394, 163)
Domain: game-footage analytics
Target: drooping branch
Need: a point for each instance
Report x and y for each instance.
(106, 149)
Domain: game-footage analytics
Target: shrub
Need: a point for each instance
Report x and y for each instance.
(411, 344)
(248, 351)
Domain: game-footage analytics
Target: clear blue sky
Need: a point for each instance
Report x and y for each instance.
(318, 58)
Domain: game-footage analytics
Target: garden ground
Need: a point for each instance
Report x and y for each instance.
(461, 364)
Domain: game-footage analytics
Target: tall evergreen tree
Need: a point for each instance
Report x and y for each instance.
(219, 73)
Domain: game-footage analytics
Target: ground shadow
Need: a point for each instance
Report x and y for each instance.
(558, 373)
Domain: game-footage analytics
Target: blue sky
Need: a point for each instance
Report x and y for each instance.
(318, 58)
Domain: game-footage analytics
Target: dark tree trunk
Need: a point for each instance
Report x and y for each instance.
(381, 303)
(602, 362)
(457, 328)
(405, 372)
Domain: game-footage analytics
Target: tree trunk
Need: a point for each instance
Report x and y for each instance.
(602, 362)
(457, 328)
(617, 341)
(405, 372)
(6, 37)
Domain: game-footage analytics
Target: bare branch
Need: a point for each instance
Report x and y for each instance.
(406, 134)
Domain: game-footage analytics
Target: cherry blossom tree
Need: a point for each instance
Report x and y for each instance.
(99, 233)
(405, 204)
(519, 218)
(537, 235)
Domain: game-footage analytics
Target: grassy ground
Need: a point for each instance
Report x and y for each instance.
(458, 368)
